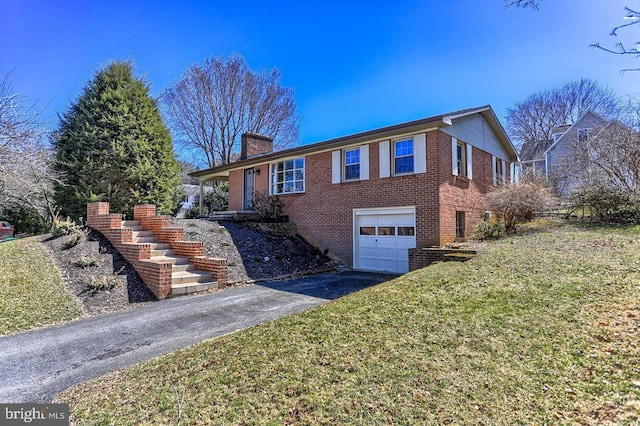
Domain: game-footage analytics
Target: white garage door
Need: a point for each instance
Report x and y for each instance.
(382, 238)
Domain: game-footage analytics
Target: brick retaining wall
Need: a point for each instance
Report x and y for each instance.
(156, 275)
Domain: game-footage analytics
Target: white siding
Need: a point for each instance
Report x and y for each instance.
(469, 162)
(493, 170)
(475, 130)
(454, 157)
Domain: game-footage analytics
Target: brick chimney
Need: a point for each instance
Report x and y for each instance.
(254, 144)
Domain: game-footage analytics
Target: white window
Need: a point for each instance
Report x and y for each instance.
(583, 135)
(462, 161)
(350, 164)
(461, 158)
(499, 171)
(287, 176)
(403, 156)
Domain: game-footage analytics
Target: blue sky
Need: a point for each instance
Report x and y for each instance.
(354, 65)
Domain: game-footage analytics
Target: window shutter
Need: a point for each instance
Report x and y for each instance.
(454, 155)
(364, 162)
(469, 162)
(385, 160)
(336, 166)
(504, 172)
(493, 171)
(420, 153)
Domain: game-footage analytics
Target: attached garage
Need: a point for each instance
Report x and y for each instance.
(382, 237)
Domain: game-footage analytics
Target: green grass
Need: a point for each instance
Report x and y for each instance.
(538, 329)
(31, 290)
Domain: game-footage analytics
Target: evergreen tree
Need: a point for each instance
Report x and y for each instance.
(112, 145)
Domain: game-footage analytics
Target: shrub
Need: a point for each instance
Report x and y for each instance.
(84, 262)
(489, 230)
(105, 282)
(517, 202)
(607, 203)
(75, 239)
(268, 207)
(25, 219)
(64, 227)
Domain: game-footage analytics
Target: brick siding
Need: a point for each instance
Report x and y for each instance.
(323, 214)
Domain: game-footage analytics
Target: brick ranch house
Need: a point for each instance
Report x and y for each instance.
(368, 198)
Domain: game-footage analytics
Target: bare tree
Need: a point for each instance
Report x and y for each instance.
(633, 18)
(532, 120)
(631, 15)
(610, 157)
(522, 3)
(211, 105)
(26, 172)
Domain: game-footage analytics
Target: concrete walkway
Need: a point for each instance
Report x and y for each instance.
(36, 365)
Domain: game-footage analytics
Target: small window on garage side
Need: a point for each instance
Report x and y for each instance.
(367, 230)
(459, 224)
(406, 231)
(386, 230)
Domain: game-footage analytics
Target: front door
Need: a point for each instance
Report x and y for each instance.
(249, 181)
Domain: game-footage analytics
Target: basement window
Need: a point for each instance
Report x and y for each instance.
(459, 224)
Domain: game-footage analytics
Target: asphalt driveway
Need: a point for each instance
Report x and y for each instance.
(37, 364)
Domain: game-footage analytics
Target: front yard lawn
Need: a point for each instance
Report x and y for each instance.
(538, 329)
(31, 290)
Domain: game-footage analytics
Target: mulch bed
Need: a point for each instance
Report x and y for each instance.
(254, 253)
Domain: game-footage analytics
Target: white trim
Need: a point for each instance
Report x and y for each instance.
(393, 157)
(336, 166)
(493, 170)
(320, 151)
(504, 172)
(375, 211)
(454, 156)
(420, 153)
(364, 162)
(304, 176)
(469, 161)
(344, 163)
(385, 159)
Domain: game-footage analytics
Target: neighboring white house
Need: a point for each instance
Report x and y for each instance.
(190, 192)
(549, 157)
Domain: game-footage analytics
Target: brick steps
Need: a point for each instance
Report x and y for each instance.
(190, 277)
(180, 289)
(167, 264)
(183, 274)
